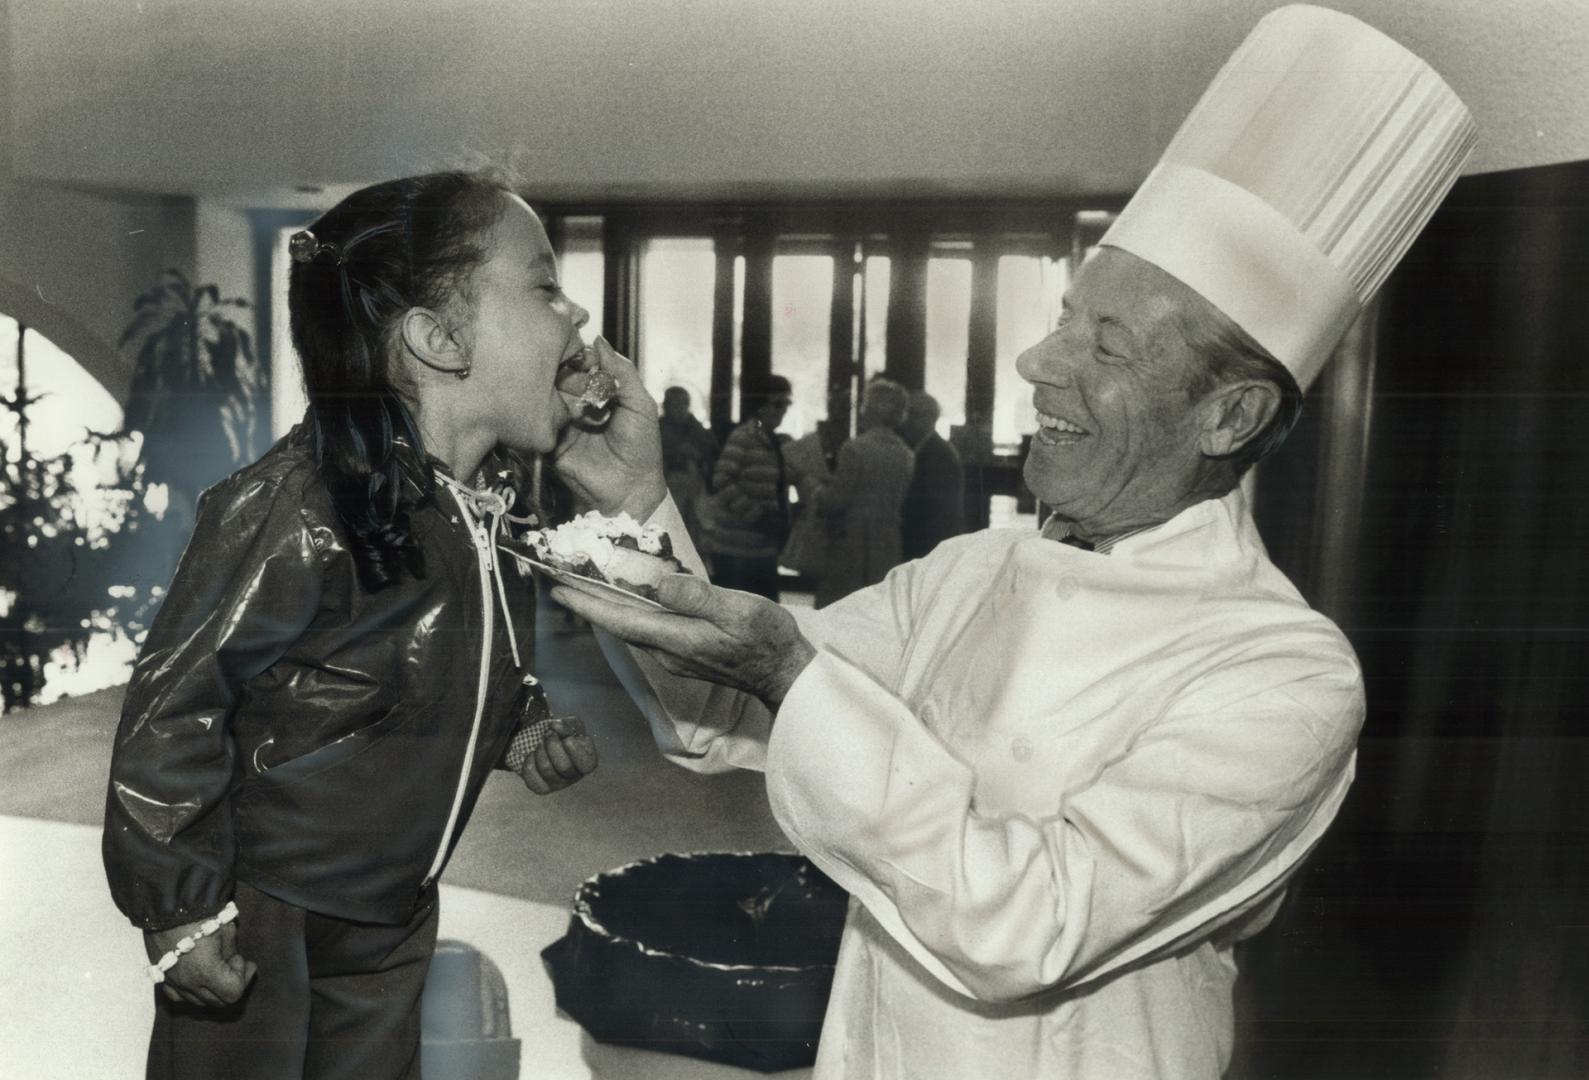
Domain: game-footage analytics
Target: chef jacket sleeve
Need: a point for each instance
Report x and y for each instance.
(247, 586)
(710, 728)
(1199, 820)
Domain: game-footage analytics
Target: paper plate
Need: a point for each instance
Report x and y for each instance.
(586, 584)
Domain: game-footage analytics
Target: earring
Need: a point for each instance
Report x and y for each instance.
(462, 373)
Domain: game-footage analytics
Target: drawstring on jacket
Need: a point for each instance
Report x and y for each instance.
(492, 506)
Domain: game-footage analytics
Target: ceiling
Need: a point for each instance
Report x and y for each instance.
(245, 100)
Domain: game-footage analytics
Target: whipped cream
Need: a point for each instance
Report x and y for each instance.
(593, 536)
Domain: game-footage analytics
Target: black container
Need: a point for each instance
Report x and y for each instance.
(721, 956)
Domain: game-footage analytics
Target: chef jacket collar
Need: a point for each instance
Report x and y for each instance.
(1056, 528)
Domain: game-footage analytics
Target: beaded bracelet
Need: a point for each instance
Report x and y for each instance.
(158, 969)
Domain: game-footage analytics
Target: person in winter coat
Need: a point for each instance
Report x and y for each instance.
(863, 500)
(342, 659)
(810, 462)
(935, 504)
(747, 521)
(689, 453)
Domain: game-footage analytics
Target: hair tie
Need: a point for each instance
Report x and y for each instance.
(305, 247)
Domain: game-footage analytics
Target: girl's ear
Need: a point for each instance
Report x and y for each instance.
(428, 340)
(1236, 415)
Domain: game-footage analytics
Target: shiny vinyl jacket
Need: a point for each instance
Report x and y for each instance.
(288, 728)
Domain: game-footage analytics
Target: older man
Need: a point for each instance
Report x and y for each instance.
(861, 504)
(1062, 773)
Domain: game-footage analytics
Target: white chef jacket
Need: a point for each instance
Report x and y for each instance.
(1058, 785)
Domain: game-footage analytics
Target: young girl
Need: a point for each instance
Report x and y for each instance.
(341, 659)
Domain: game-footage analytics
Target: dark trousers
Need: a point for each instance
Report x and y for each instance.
(333, 1000)
(753, 574)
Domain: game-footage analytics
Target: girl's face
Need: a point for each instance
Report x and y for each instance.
(522, 331)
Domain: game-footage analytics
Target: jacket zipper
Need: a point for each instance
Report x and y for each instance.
(488, 602)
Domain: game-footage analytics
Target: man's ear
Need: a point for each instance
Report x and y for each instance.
(427, 339)
(1235, 415)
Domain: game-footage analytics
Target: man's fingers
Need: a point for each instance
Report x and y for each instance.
(613, 362)
(632, 624)
(673, 665)
(687, 594)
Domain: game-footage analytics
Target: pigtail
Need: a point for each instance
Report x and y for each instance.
(357, 271)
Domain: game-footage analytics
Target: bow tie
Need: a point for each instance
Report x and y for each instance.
(1051, 532)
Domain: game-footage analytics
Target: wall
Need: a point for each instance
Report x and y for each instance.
(72, 260)
(619, 98)
(104, 108)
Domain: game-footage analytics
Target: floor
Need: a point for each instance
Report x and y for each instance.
(70, 955)
(1369, 971)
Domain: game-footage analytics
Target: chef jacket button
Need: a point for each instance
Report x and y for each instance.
(1021, 748)
(1067, 586)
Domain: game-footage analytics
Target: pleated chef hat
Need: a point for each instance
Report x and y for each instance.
(1300, 178)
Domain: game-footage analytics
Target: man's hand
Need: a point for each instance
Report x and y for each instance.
(618, 465)
(733, 638)
(213, 975)
(567, 756)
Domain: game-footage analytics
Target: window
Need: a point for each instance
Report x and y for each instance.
(581, 266)
(65, 405)
(739, 334)
(802, 317)
(1090, 227)
(874, 330)
(948, 336)
(1030, 288)
(676, 276)
(288, 401)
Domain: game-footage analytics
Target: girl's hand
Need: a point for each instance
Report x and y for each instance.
(618, 465)
(214, 975)
(567, 756)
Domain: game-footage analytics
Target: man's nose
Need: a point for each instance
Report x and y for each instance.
(1048, 360)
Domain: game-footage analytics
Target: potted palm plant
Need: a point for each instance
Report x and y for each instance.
(196, 385)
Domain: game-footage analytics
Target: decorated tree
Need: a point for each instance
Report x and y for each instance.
(89, 537)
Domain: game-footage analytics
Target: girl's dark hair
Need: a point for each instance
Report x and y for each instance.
(366, 261)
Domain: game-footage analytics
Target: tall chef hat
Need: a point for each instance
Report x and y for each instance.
(1300, 178)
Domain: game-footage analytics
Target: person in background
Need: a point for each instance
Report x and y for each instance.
(935, 504)
(1063, 772)
(341, 660)
(747, 521)
(862, 502)
(689, 453)
(810, 461)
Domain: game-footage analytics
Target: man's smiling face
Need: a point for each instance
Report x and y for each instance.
(1117, 441)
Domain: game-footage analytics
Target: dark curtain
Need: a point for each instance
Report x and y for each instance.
(1433, 502)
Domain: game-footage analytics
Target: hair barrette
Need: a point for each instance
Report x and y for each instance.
(305, 247)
